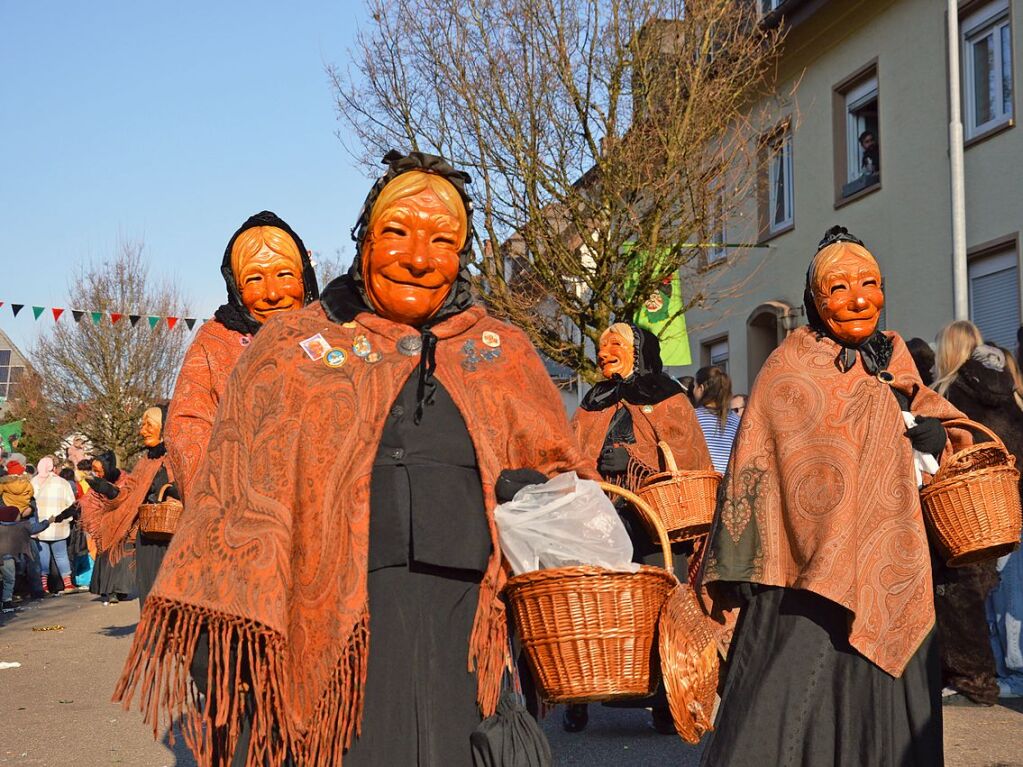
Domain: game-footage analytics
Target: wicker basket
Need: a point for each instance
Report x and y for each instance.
(588, 632)
(160, 520)
(973, 505)
(683, 500)
(689, 661)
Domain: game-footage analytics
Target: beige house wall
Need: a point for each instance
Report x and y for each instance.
(907, 221)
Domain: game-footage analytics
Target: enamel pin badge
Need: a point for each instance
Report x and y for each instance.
(335, 358)
(315, 347)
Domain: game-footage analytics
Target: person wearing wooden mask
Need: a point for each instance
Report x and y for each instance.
(820, 536)
(348, 492)
(618, 425)
(267, 272)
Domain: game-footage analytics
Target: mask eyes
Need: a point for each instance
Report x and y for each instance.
(444, 239)
(871, 283)
(837, 287)
(394, 229)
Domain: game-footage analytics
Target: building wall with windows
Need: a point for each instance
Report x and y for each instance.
(877, 66)
(12, 368)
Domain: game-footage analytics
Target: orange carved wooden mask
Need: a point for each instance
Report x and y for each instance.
(848, 291)
(617, 352)
(268, 268)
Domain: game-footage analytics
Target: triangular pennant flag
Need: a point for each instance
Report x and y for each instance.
(114, 317)
(190, 321)
(38, 311)
(1, 303)
(77, 315)
(153, 322)
(134, 319)
(171, 322)
(17, 308)
(97, 317)
(56, 313)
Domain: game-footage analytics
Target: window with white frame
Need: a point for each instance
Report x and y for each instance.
(863, 149)
(779, 182)
(716, 353)
(987, 67)
(716, 238)
(766, 6)
(994, 297)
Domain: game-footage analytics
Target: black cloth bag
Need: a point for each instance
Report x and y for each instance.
(510, 738)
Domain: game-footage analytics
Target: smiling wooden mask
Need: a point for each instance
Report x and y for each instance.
(151, 429)
(267, 266)
(617, 354)
(410, 257)
(847, 291)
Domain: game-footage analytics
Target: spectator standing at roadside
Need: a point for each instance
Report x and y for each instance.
(719, 424)
(15, 543)
(738, 404)
(53, 496)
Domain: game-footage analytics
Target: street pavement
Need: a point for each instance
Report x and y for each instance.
(55, 709)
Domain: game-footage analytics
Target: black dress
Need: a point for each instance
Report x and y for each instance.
(429, 546)
(149, 552)
(797, 694)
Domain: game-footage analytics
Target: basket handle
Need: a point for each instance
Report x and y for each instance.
(966, 422)
(649, 515)
(162, 494)
(669, 459)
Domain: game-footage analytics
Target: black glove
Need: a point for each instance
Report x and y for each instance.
(68, 513)
(512, 480)
(613, 460)
(928, 436)
(104, 488)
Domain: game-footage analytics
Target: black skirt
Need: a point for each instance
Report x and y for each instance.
(798, 695)
(420, 700)
(149, 554)
(114, 579)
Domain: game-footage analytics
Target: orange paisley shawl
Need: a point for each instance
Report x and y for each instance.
(112, 523)
(197, 394)
(672, 420)
(272, 558)
(821, 494)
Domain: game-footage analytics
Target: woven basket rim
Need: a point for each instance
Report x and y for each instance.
(967, 477)
(581, 572)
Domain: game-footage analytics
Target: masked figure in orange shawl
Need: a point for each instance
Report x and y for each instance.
(267, 272)
(618, 425)
(339, 551)
(820, 531)
(112, 578)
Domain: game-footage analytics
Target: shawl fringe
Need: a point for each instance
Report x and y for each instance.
(251, 657)
(488, 644)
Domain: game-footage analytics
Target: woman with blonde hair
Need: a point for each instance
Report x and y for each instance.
(713, 411)
(980, 380)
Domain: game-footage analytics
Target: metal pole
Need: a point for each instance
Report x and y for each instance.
(960, 286)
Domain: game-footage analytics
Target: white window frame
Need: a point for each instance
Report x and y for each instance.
(769, 6)
(988, 20)
(780, 161)
(714, 350)
(855, 98)
(718, 235)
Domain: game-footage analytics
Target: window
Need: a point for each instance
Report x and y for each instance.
(987, 68)
(994, 297)
(862, 140)
(8, 375)
(716, 353)
(779, 182)
(716, 237)
(766, 6)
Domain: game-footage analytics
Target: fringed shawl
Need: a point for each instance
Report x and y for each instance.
(113, 522)
(271, 559)
(821, 494)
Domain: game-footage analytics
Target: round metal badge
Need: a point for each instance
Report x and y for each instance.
(410, 346)
(361, 346)
(491, 339)
(335, 358)
(245, 340)
(374, 357)
(885, 377)
(647, 408)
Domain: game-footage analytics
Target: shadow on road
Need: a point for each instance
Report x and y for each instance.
(118, 631)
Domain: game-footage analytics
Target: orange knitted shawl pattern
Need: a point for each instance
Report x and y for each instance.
(271, 559)
(821, 494)
(114, 522)
(197, 394)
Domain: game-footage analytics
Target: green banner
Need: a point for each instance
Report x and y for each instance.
(662, 315)
(8, 430)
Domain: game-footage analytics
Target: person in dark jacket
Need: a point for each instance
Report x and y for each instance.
(923, 356)
(977, 378)
(15, 543)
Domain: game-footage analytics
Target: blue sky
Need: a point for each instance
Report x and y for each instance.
(170, 123)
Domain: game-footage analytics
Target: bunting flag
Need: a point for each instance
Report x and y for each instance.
(154, 320)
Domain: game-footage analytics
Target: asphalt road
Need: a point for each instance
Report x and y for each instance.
(55, 709)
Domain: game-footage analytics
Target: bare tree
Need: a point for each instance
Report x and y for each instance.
(330, 267)
(98, 378)
(608, 140)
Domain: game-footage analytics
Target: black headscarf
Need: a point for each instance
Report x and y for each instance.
(346, 297)
(875, 351)
(647, 385)
(233, 315)
(109, 463)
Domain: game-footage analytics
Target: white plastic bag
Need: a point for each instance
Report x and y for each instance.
(564, 522)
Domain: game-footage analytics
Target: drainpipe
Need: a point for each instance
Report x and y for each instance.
(960, 286)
